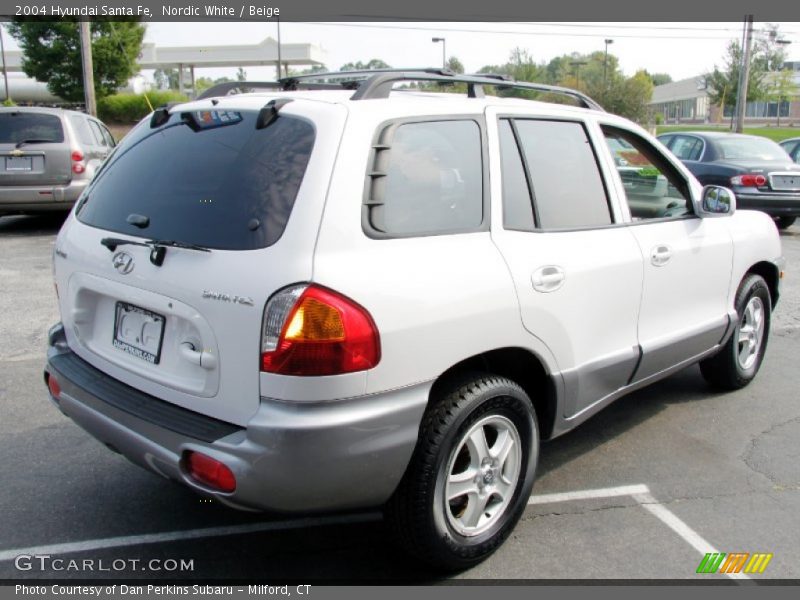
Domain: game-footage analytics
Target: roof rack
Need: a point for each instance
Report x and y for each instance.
(378, 83)
(230, 88)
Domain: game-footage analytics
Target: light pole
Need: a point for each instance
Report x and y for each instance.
(444, 53)
(605, 61)
(578, 64)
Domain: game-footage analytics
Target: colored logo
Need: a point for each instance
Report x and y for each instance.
(735, 562)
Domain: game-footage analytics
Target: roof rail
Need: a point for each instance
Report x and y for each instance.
(378, 83)
(229, 88)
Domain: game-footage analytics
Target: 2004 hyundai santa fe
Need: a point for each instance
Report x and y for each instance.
(307, 300)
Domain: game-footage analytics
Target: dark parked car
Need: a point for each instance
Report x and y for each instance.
(758, 170)
(792, 147)
(47, 157)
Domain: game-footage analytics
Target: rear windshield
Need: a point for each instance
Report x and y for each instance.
(16, 127)
(208, 178)
(752, 148)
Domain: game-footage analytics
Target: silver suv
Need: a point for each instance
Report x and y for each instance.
(313, 300)
(47, 157)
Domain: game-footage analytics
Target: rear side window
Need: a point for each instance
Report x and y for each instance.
(687, 148)
(568, 191)
(427, 179)
(16, 127)
(226, 185)
(81, 127)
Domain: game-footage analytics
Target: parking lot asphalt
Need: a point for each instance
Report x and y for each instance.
(720, 471)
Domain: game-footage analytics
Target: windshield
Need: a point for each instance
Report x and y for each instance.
(208, 178)
(750, 148)
(18, 126)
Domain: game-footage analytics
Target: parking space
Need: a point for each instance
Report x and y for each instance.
(709, 472)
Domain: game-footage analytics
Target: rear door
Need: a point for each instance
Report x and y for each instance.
(33, 149)
(578, 275)
(186, 327)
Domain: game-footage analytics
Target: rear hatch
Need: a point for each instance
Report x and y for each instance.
(33, 150)
(243, 197)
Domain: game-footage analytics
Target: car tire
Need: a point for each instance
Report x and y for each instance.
(480, 436)
(784, 222)
(740, 358)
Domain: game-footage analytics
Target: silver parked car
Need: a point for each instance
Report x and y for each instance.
(47, 157)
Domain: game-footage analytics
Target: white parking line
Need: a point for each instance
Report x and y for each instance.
(641, 494)
(625, 490)
(189, 534)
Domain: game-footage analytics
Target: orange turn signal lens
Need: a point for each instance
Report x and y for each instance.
(314, 321)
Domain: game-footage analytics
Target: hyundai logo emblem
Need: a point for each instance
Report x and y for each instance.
(123, 262)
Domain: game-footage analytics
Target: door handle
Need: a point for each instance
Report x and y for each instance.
(548, 279)
(660, 255)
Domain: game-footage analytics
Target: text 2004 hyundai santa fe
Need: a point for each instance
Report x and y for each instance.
(317, 300)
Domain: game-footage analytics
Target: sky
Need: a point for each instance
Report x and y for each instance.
(680, 49)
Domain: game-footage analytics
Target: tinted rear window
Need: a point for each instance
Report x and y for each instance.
(16, 127)
(228, 187)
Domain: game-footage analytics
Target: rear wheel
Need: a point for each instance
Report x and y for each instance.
(739, 360)
(784, 222)
(471, 473)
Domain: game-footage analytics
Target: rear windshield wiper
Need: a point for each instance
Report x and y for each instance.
(176, 244)
(158, 248)
(35, 141)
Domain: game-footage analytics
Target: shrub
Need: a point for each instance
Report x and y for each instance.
(130, 108)
(9, 102)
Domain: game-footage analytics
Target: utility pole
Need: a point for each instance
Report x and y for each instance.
(5, 71)
(278, 21)
(744, 75)
(88, 69)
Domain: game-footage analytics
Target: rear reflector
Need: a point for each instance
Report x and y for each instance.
(78, 168)
(52, 385)
(210, 471)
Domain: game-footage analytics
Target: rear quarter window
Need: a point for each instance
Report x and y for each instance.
(228, 187)
(16, 127)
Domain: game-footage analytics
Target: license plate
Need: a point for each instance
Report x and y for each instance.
(18, 163)
(786, 182)
(139, 332)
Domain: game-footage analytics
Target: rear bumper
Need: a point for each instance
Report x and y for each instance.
(40, 197)
(774, 205)
(314, 457)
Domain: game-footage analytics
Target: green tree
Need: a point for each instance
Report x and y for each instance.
(375, 63)
(659, 78)
(455, 65)
(51, 53)
(766, 56)
(782, 88)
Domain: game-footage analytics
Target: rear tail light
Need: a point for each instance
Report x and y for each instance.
(54, 387)
(749, 180)
(210, 471)
(310, 330)
(77, 162)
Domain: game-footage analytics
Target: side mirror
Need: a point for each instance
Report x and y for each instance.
(716, 201)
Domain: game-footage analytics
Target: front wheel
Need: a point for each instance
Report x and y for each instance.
(784, 222)
(738, 362)
(471, 474)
